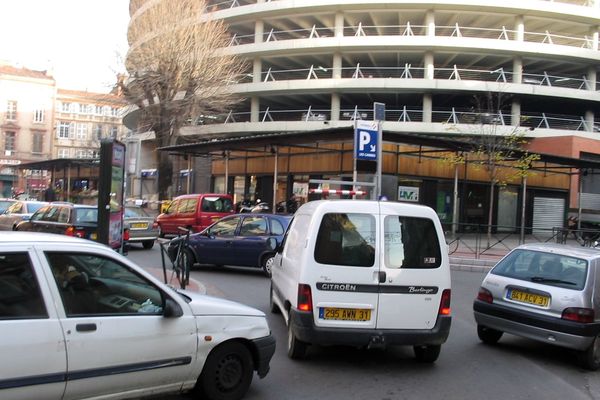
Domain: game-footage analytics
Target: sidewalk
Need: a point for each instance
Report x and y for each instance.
(193, 286)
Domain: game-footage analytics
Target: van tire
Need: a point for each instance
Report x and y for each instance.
(427, 353)
(296, 347)
(488, 335)
(590, 358)
(272, 305)
(227, 373)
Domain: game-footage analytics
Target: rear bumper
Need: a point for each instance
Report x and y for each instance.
(304, 328)
(264, 349)
(542, 328)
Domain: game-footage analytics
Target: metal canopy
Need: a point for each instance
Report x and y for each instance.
(290, 139)
(61, 163)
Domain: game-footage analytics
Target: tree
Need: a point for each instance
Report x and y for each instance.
(177, 70)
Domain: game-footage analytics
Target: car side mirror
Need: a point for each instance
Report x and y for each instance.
(272, 243)
(172, 309)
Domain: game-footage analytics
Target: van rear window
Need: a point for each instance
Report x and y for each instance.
(346, 239)
(411, 243)
(217, 204)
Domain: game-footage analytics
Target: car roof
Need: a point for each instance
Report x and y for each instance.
(40, 237)
(562, 249)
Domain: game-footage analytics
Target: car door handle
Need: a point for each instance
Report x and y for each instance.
(85, 327)
(382, 276)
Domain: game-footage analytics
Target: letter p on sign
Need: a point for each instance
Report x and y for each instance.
(364, 138)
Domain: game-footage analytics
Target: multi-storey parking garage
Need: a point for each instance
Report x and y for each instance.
(319, 65)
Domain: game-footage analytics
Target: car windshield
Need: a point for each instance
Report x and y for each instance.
(545, 268)
(132, 212)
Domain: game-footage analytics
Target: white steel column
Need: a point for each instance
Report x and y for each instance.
(255, 100)
(259, 30)
(515, 113)
(430, 22)
(339, 25)
(427, 107)
(428, 60)
(520, 28)
(335, 107)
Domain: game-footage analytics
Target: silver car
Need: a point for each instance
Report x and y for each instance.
(142, 227)
(545, 292)
(19, 210)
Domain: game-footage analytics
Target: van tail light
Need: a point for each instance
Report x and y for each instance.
(304, 298)
(445, 303)
(485, 295)
(126, 234)
(583, 315)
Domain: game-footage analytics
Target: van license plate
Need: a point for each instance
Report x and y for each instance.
(345, 314)
(529, 298)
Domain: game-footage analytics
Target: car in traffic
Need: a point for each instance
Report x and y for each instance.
(545, 292)
(5, 203)
(142, 227)
(64, 218)
(240, 240)
(78, 320)
(20, 210)
(194, 212)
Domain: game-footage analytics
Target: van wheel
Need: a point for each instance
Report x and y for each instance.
(272, 305)
(590, 358)
(296, 347)
(488, 335)
(267, 264)
(227, 373)
(428, 353)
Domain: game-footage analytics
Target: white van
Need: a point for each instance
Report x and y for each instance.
(366, 274)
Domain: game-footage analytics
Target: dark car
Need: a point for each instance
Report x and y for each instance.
(240, 239)
(64, 218)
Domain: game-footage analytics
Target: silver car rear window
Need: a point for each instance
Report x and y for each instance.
(545, 268)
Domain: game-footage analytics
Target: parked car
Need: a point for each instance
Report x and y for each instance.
(20, 210)
(240, 239)
(5, 203)
(78, 320)
(544, 292)
(363, 273)
(64, 218)
(142, 227)
(194, 211)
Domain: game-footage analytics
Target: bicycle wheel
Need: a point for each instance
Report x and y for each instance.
(182, 268)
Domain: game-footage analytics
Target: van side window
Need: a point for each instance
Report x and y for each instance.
(411, 243)
(20, 295)
(187, 206)
(346, 239)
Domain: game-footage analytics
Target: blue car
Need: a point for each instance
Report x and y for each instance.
(239, 239)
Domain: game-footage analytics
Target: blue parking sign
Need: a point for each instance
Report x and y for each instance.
(365, 140)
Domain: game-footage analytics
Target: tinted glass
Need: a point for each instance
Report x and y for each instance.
(86, 215)
(95, 285)
(276, 227)
(216, 204)
(411, 243)
(33, 207)
(346, 239)
(135, 212)
(20, 296)
(224, 227)
(545, 268)
(187, 206)
(254, 226)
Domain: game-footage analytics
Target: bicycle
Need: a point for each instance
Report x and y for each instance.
(181, 261)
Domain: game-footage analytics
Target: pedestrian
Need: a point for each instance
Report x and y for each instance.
(49, 194)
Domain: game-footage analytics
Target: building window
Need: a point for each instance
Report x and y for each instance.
(38, 142)
(63, 130)
(98, 110)
(38, 116)
(114, 112)
(80, 153)
(114, 131)
(98, 131)
(11, 110)
(66, 107)
(82, 131)
(63, 153)
(9, 141)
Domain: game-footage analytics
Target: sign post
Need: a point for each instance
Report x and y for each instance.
(110, 193)
(379, 116)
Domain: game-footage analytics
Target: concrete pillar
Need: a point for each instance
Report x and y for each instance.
(254, 109)
(427, 107)
(515, 113)
(256, 70)
(335, 107)
(430, 22)
(339, 25)
(591, 78)
(337, 66)
(429, 65)
(517, 76)
(589, 120)
(594, 35)
(259, 31)
(520, 28)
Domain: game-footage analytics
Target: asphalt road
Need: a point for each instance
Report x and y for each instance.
(467, 369)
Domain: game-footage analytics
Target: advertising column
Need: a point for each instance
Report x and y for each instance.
(110, 193)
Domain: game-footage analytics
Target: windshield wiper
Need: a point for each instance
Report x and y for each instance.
(541, 279)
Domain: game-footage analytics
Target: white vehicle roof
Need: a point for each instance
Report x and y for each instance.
(38, 237)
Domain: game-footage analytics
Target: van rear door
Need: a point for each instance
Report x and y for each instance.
(415, 270)
(346, 272)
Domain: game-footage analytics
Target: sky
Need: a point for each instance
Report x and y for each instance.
(83, 41)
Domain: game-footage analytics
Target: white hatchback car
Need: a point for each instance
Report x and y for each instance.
(78, 320)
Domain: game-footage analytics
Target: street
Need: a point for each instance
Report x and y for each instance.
(467, 369)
